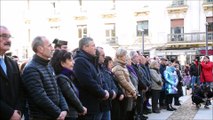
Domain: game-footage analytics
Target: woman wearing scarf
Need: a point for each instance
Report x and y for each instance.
(62, 63)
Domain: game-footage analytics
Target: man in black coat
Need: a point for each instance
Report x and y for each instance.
(142, 84)
(11, 92)
(162, 101)
(107, 84)
(90, 86)
(44, 97)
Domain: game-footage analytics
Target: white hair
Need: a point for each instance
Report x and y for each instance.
(120, 52)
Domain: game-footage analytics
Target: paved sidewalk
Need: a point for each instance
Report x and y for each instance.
(204, 114)
(187, 111)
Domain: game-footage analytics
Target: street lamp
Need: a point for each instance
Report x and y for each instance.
(206, 38)
(142, 31)
(142, 41)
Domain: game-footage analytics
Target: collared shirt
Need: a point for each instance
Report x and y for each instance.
(3, 65)
(1, 56)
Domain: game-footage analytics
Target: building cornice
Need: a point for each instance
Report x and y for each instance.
(207, 7)
(177, 9)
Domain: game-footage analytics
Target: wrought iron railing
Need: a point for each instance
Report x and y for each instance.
(190, 37)
(112, 40)
(208, 1)
(178, 3)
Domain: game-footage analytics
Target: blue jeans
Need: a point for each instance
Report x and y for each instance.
(210, 84)
(106, 115)
(195, 80)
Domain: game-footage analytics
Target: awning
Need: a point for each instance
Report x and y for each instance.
(203, 52)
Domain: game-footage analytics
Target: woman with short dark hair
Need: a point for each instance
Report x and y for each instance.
(110, 77)
(62, 62)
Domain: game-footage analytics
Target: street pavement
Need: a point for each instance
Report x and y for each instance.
(187, 111)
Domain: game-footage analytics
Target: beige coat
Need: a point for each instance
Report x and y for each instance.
(123, 78)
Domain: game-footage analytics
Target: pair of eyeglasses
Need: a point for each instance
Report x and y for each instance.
(5, 36)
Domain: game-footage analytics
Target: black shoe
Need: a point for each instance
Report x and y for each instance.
(208, 102)
(144, 117)
(206, 106)
(147, 109)
(198, 106)
(146, 112)
(169, 109)
(173, 108)
(156, 111)
(177, 104)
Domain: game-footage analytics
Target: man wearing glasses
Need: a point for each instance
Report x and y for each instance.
(11, 94)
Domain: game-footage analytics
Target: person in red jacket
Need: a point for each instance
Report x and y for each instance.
(206, 71)
(206, 76)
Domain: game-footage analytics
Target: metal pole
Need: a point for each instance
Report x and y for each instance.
(206, 38)
(142, 41)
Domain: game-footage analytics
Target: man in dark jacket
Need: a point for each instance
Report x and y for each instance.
(142, 86)
(89, 85)
(11, 92)
(194, 72)
(107, 84)
(162, 101)
(147, 77)
(44, 98)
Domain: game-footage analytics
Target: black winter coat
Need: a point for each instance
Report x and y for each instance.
(11, 91)
(44, 97)
(67, 87)
(89, 85)
(194, 70)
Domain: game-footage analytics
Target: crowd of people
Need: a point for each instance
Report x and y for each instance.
(84, 84)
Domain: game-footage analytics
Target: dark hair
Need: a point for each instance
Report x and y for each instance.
(57, 46)
(58, 57)
(74, 52)
(106, 61)
(173, 60)
(206, 56)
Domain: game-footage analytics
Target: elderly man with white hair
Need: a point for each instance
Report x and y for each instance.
(142, 87)
(123, 78)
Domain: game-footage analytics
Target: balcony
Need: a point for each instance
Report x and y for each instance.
(177, 6)
(113, 41)
(208, 5)
(208, 1)
(190, 38)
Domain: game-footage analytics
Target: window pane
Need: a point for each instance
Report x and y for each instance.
(85, 31)
(82, 31)
(177, 33)
(113, 33)
(210, 27)
(142, 25)
(107, 33)
(110, 30)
